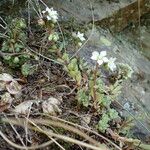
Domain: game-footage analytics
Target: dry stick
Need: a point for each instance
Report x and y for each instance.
(2, 35)
(50, 134)
(139, 19)
(28, 48)
(67, 127)
(135, 142)
(43, 145)
(21, 147)
(60, 146)
(4, 23)
(56, 142)
(55, 123)
(89, 130)
(69, 139)
(62, 35)
(2, 26)
(21, 140)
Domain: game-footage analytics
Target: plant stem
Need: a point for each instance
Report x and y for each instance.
(94, 86)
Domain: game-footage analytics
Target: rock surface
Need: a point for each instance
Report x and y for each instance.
(107, 13)
(136, 91)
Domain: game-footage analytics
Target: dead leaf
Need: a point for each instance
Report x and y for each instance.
(2, 85)
(4, 107)
(6, 77)
(51, 106)
(7, 82)
(6, 99)
(24, 107)
(87, 118)
(14, 87)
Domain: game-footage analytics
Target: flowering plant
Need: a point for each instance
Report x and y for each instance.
(101, 58)
(51, 14)
(79, 37)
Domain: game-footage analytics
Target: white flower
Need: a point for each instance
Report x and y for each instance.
(111, 64)
(79, 35)
(100, 57)
(52, 14)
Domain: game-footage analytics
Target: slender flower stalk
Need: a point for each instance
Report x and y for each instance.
(94, 86)
(100, 59)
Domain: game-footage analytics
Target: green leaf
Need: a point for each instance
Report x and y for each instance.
(78, 77)
(27, 69)
(60, 60)
(65, 57)
(72, 74)
(103, 123)
(16, 60)
(73, 65)
(7, 57)
(105, 101)
(83, 97)
(113, 114)
(105, 41)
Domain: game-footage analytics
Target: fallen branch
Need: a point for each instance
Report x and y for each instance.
(134, 142)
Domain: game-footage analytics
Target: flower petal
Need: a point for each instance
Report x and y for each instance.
(48, 18)
(112, 59)
(43, 11)
(100, 62)
(48, 10)
(80, 36)
(103, 53)
(105, 59)
(95, 55)
(51, 14)
(112, 66)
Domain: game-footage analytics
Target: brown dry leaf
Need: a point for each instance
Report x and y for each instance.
(24, 107)
(51, 106)
(87, 118)
(2, 85)
(6, 98)
(14, 87)
(5, 101)
(7, 82)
